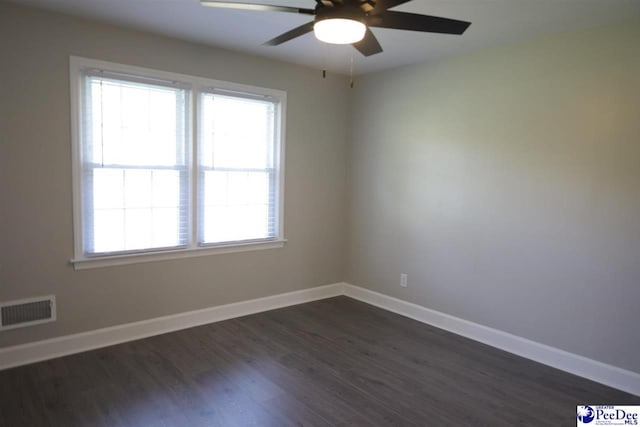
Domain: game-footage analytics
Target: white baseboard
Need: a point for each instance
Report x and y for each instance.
(578, 365)
(61, 346)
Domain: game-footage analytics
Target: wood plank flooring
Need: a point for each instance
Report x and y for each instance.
(335, 362)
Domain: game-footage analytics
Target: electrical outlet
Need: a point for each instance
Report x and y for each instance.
(403, 280)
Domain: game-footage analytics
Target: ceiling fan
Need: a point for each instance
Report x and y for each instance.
(349, 21)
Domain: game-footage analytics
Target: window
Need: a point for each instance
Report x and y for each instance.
(134, 169)
(169, 165)
(237, 174)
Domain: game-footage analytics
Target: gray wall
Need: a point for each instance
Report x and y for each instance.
(35, 187)
(506, 183)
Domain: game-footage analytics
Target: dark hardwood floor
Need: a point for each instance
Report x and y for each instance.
(335, 362)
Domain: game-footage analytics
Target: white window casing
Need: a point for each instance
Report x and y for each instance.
(169, 166)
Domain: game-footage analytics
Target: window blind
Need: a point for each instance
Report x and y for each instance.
(237, 168)
(134, 165)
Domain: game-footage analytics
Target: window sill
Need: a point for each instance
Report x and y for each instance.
(136, 258)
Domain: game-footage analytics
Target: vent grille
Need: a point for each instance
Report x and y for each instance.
(15, 314)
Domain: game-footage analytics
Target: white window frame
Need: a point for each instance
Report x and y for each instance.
(195, 86)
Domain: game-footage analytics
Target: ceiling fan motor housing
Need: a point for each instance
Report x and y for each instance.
(347, 10)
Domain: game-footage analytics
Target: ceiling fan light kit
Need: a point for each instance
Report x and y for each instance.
(350, 21)
(339, 30)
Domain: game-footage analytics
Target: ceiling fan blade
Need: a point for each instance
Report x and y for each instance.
(256, 6)
(415, 22)
(368, 45)
(289, 35)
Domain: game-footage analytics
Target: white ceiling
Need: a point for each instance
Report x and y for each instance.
(493, 22)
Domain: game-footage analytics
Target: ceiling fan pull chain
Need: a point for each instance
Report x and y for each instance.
(325, 60)
(351, 73)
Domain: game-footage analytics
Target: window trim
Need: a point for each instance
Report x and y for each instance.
(195, 86)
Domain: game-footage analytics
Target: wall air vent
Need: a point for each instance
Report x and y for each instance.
(27, 312)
